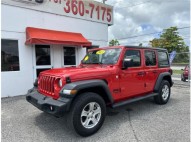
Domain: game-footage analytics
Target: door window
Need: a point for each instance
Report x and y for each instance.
(134, 57)
(42, 59)
(42, 55)
(69, 56)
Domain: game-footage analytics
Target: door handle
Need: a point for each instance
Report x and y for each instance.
(141, 73)
(155, 71)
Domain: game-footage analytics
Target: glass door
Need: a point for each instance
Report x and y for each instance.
(42, 59)
(70, 56)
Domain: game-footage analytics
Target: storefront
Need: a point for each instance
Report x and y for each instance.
(37, 35)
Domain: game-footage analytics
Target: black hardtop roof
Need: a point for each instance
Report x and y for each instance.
(140, 47)
(129, 46)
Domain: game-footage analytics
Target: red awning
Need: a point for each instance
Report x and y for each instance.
(44, 36)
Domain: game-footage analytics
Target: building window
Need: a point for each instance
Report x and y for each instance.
(9, 55)
(69, 56)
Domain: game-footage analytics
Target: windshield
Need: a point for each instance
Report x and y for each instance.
(103, 56)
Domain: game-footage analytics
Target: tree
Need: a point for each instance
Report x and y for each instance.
(114, 42)
(170, 40)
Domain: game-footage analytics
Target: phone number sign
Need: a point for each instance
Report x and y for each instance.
(83, 9)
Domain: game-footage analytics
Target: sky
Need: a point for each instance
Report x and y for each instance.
(138, 17)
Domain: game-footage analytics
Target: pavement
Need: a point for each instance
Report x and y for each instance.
(143, 121)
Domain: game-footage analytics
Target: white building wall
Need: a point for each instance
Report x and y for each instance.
(16, 82)
(57, 54)
(16, 19)
(13, 26)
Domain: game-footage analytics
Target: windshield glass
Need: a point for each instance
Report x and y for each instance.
(103, 56)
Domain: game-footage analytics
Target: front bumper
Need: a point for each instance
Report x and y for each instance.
(47, 104)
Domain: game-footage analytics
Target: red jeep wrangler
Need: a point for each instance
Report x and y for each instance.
(111, 76)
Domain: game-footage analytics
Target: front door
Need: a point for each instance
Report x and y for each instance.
(132, 79)
(42, 59)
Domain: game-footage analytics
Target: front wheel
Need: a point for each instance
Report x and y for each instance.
(87, 114)
(164, 93)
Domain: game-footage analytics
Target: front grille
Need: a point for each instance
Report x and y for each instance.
(46, 84)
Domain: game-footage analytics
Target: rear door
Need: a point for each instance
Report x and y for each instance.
(132, 79)
(151, 69)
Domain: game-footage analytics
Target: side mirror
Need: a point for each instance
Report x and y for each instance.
(127, 63)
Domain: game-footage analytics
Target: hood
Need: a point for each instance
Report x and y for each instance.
(80, 73)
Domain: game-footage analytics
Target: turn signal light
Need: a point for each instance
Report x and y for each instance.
(69, 92)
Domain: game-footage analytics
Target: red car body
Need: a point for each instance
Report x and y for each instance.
(110, 76)
(122, 84)
(185, 73)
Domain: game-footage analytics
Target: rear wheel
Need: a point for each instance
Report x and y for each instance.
(183, 78)
(164, 93)
(87, 114)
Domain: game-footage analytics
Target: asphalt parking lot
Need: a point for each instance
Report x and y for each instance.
(143, 121)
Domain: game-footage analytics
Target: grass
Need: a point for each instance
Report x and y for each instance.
(177, 71)
(180, 63)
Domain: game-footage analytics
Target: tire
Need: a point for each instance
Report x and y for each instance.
(90, 121)
(183, 78)
(164, 93)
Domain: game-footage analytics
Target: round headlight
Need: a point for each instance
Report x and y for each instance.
(60, 83)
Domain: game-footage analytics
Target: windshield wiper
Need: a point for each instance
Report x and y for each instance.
(98, 63)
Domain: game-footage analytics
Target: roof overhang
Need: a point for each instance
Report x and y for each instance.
(44, 36)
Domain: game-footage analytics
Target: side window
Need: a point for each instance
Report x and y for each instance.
(150, 58)
(9, 55)
(134, 58)
(163, 59)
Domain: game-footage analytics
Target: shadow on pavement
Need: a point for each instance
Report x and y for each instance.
(57, 130)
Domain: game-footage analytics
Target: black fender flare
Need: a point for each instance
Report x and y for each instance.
(80, 85)
(160, 78)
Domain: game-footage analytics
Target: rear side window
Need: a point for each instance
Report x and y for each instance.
(163, 59)
(150, 58)
(134, 57)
